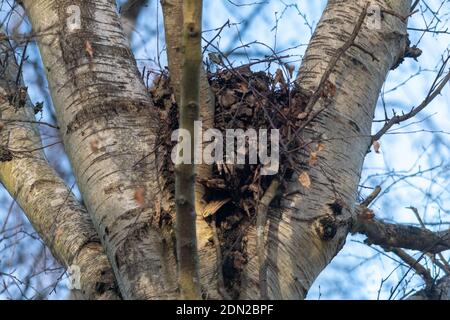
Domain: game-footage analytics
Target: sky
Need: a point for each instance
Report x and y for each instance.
(419, 147)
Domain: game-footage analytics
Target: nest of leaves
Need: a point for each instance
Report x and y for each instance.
(244, 100)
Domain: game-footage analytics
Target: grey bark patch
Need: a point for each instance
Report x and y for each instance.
(104, 111)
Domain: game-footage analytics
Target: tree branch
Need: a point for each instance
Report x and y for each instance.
(209, 258)
(106, 130)
(401, 236)
(56, 215)
(185, 229)
(397, 118)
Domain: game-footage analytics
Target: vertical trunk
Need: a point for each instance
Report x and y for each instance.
(173, 16)
(185, 228)
(307, 233)
(109, 128)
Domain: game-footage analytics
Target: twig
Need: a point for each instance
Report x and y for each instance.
(413, 264)
(397, 119)
(445, 266)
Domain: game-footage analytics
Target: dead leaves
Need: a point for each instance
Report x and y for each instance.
(304, 179)
(376, 146)
(366, 214)
(302, 115)
(329, 90)
(313, 156)
(213, 206)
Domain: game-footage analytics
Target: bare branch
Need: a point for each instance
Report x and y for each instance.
(185, 229)
(59, 218)
(400, 118)
(402, 236)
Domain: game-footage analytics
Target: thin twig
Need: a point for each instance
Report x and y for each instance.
(397, 118)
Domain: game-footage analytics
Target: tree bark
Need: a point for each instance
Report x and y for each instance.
(56, 215)
(173, 17)
(306, 234)
(109, 129)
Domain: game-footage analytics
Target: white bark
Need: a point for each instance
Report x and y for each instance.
(61, 221)
(109, 129)
(296, 252)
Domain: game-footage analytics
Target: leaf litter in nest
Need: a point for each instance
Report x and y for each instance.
(244, 100)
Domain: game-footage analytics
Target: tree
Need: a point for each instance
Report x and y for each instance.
(122, 235)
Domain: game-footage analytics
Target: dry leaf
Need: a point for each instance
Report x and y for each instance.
(302, 115)
(290, 68)
(2, 125)
(329, 89)
(139, 196)
(304, 179)
(376, 146)
(89, 49)
(313, 158)
(320, 147)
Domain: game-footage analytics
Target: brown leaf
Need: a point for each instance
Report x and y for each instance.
(89, 49)
(304, 179)
(290, 68)
(302, 115)
(320, 147)
(139, 196)
(329, 89)
(228, 98)
(2, 125)
(279, 78)
(376, 146)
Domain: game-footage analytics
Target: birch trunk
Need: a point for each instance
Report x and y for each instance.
(300, 240)
(109, 128)
(56, 215)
